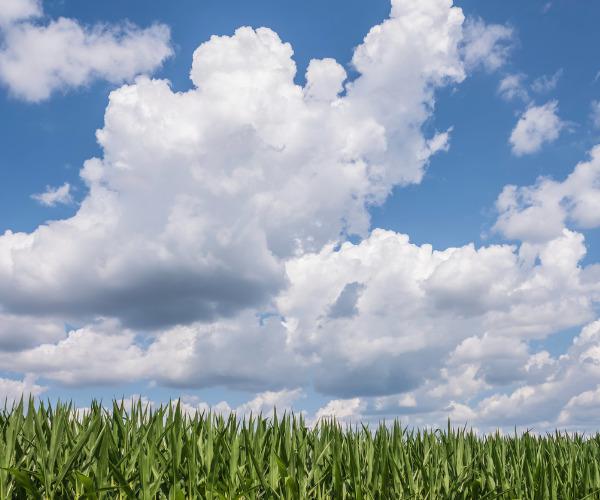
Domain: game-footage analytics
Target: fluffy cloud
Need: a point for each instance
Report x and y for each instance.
(566, 397)
(211, 248)
(486, 45)
(17, 10)
(564, 392)
(405, 327)
(37, 60)
(537, 126)
(55, 196)
(512, 87)
(342, 410)
(13, 390)
(415, 306)
(263, 403)
(541, 212)
(200, 195)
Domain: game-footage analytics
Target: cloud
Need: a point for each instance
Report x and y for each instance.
(263, 403)
(343, 410)
(566, 397)
(55, 196)
(486, 45)
(212, 247)
(537, 126)
(12, 391)
(541, 212)
(37, 60)
(512, 87)
(561, 392)
(17, 10)
(18, 332)
(546, 83)
(324, 79)
(411, 327)
(345, 304)
(417, 305)
(201, 196)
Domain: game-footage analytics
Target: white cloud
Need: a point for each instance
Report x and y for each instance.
(546, 83)
(264, 403)
(348, 410)
(416, 305)
(324, 79)
(540, 212)
(486, 45)
(55, 196)
(566, 397)
(17, 10)
(537, 126)
(37, 60)
(407, 327)
(512, 87)
(12, 391)
(210, 248)
(101, 353)
(201, 195)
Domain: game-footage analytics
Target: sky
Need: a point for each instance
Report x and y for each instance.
(365, 210)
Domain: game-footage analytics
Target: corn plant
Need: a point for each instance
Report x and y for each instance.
(56, 451)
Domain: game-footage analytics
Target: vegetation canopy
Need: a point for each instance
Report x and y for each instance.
(135, 451)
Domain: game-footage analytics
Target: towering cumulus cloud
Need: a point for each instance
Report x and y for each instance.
(201, 195)
(212, 247)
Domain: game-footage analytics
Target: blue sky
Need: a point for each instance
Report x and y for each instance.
(518, 302)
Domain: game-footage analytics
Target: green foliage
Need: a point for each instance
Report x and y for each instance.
(51, 452)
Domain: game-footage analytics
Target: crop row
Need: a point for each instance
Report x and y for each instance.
(56, 451)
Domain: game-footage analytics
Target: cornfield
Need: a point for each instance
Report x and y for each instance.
(56, 451)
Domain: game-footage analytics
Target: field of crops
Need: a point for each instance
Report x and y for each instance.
(58, 452)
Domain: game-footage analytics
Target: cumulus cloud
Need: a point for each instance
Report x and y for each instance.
(512, 87)
(263, 403)
(565, 398)
(39, 59)
(562, 393)
(12, 390)
(324, 79)
(406, 327)
(416, 305)
(486, 45)
(541, 212)
(212, 247)
(17, 10)
(201, 195)
(342, 410)
(537, 126)
(54, 196)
